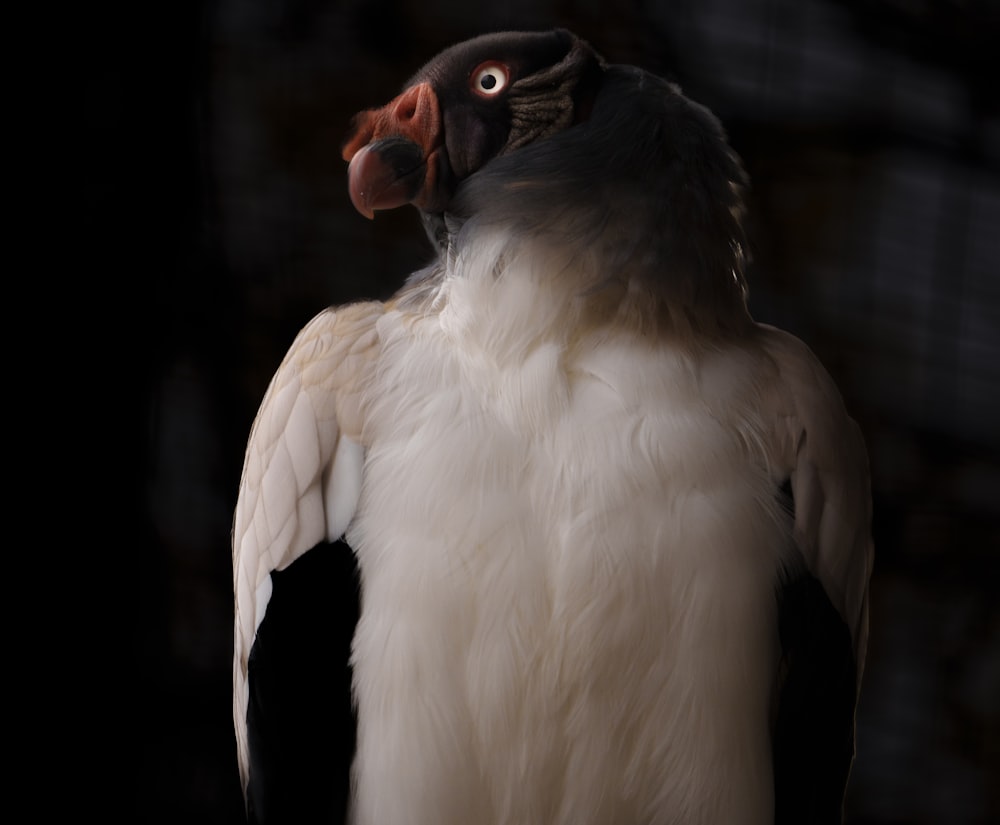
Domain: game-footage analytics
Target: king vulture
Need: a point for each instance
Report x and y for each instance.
(612, 537)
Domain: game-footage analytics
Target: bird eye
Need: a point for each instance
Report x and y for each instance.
(490, 78)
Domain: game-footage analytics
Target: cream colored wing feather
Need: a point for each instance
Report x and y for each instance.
(823, 453)
(302, 471)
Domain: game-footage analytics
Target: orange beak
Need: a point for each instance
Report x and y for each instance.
(395, 153)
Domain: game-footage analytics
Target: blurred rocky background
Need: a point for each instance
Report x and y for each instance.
(217, 199)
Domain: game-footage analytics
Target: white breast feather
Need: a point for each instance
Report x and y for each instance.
(568, 554)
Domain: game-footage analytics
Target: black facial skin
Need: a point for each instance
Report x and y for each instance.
(475, 127)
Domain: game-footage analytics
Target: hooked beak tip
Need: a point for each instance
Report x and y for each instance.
(360, 193)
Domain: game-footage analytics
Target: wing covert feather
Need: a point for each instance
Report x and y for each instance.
(822, 450)
(302, 470)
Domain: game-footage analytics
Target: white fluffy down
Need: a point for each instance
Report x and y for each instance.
(569, 556)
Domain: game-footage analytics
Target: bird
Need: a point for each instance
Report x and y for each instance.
(558, 533)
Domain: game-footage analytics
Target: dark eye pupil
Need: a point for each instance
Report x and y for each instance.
(488, 81)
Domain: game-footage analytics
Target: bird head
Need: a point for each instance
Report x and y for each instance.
(476, 101)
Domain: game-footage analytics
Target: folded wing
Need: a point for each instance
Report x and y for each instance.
(302, 471)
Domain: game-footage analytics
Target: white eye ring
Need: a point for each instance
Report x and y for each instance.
(489, 78)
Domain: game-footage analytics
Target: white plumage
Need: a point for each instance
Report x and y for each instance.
(569, 537)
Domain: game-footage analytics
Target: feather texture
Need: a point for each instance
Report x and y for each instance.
(302, 472)
(572, 541)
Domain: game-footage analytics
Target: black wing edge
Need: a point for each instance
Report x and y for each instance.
(813, 737)
(301, 723)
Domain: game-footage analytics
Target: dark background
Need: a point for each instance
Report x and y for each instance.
(220, 220)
